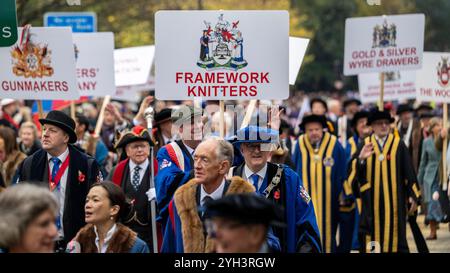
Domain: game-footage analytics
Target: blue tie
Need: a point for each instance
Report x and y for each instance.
(255, 178)
(55, 170)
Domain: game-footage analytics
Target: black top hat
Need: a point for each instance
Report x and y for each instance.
(427, 115)
(137, 133)
(351, 101)
(248, 208)
(402, 108)
(425, 107)
(63, 121)
(319, 100)
(378, 115)
(313, 118)
(359, 115)
(163, 116)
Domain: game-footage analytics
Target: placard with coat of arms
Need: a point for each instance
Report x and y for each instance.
(222, 55)
(41, 65)
(433, 81)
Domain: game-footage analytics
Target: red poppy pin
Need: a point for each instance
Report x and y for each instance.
(276, 195)
(388, 157)
(81, 177)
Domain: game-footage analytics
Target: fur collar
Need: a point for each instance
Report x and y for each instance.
(121, 242)
(191, 225)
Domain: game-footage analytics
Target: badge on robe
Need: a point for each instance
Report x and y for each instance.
(304, 195)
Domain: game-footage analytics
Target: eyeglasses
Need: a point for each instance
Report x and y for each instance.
(263, 147)
(253, 146)
(202, 160)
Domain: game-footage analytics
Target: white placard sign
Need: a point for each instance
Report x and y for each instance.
(297, 50)
(132, 65)
(383, 43)
(398, 85)
(433, 81)
(127, 93)
(94, 57)
(222, 55)
(42, 68)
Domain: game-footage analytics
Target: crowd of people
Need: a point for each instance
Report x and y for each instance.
(312, 174)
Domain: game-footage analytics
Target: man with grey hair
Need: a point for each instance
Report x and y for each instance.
(27, 219)
(185, 231)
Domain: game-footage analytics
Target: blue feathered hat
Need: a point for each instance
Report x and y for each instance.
(255, 134)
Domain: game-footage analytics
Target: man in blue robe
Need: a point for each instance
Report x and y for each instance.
(280, 184)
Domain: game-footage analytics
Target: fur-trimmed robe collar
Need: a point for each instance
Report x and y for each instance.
(121, 242)
(191, 225)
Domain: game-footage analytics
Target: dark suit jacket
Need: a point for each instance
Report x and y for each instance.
(34, 169)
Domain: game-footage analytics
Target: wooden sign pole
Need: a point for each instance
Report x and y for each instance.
(72, 109)
(381, 101)
(444, 147)
(222, 119)
(101, 116)
(40, 109)
(249, 113)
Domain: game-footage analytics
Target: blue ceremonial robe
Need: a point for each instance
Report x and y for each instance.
(170, 177)
(299, 216)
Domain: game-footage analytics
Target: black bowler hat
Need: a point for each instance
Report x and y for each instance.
(351, 101)
(359, 115)
(163, 116)
(379, 115)
(313, 118)
(63, 121)
(402, 108)
(246, 208)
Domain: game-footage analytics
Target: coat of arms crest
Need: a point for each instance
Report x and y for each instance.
(384, 35)
(30, 59)
(443, 72)
(222, 47)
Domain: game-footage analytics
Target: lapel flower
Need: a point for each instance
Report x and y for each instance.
(276, 195)
(81, 177)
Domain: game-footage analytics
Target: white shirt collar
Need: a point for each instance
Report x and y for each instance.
(108, 237)
(61, 157)
(166, 139)
(381, 141)
(190, 150)
(143, 165)
(217, 194)
(261, 173)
